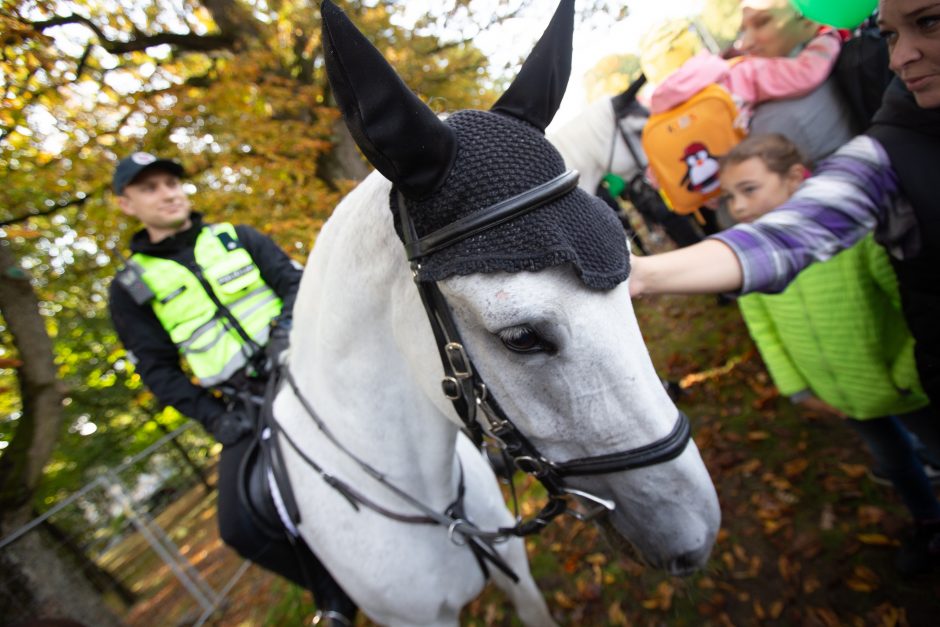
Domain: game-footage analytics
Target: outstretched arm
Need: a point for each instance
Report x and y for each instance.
(707, 267)
(832, 210)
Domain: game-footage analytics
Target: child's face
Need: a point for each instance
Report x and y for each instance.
(772, 28)
(750, 189)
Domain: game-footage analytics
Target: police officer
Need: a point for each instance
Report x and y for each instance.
(220, 296)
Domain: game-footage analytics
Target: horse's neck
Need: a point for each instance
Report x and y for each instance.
(586, 141)
(363, 352)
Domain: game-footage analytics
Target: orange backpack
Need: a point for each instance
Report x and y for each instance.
(683, 146)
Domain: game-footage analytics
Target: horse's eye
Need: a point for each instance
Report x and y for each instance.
(525, 339)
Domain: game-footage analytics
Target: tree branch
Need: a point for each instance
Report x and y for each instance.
(57, 207)
(187, 41)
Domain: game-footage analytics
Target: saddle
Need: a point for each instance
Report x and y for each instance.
(264, 487)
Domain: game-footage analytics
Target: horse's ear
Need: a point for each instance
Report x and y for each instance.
(398, 133)
(625, 102)
(536, 93)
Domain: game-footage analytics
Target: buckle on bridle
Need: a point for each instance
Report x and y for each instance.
(452, 532)
(601, 505)
(459, 362)
(532, 465)
(451, 388)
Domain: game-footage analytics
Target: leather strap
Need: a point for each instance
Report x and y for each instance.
(468, 392)
(653, 453)
(501, 212)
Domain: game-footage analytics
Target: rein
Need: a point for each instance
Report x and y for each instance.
(453, 517)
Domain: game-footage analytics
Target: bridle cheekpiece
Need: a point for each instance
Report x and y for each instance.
(466, 390)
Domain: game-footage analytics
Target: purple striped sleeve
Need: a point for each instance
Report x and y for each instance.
(844, 200)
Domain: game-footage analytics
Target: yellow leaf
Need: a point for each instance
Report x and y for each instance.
(870, 515)
(564, 600)
(662, 598)
(795, 467)
(876, 539)
(860, 586)
(826, 616)
(759, 610)
(728, 560)
(651, 604)
(598, 559)
(750, 467)
(810, 585)
(772, 526)
(615, 615)
(855, 471)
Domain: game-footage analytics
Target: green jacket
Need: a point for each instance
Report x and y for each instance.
(838, 331)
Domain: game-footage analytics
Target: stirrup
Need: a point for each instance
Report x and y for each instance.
(330, 618)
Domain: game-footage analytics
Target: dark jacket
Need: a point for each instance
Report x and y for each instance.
(156, 358)
(911, 137)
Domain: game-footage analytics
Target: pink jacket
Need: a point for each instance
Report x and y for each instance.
(751, 80)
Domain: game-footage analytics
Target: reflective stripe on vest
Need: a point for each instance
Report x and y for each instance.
(211, 344)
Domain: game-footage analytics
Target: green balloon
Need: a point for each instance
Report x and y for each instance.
(836, 13)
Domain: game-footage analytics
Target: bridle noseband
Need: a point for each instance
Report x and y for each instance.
(478, 410)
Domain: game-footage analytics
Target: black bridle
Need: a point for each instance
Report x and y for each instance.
(478, 410)
(466, 390)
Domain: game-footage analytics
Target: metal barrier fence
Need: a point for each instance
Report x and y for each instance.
(124, 530)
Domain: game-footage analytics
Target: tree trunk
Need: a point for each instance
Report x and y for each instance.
(34, 580)
(37, 429)
(102, 579)
(344, 161)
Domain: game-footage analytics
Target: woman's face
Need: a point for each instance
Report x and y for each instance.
(912, 29)
(773, 31)
(750, 189)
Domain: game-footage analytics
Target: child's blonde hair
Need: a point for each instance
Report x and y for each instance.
(777, 152)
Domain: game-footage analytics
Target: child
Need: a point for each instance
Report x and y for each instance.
(752, 80)
(835, 340)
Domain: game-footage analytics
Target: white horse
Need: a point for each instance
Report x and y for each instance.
(565, 362)
(593, 144)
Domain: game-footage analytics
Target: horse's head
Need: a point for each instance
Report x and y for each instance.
(627, 158)
(539, 297)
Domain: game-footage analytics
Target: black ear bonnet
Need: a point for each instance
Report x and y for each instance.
(499, 157)
(450, 169)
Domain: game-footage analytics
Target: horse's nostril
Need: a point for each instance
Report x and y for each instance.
(689, 562)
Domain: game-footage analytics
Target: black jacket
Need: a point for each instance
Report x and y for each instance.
(156, 357)
(911, 137)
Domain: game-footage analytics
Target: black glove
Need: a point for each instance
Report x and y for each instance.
(276, 348)
(231, 426)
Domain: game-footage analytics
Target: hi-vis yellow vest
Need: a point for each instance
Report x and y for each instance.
(194, 317)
